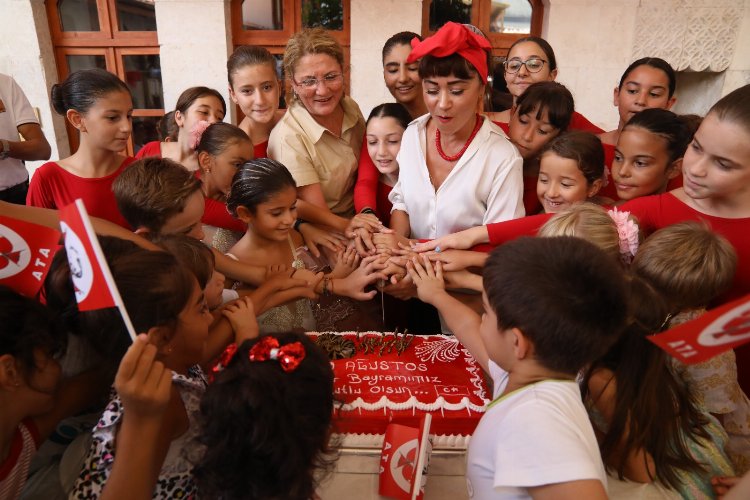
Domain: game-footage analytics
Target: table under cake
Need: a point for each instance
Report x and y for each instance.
(383, 378)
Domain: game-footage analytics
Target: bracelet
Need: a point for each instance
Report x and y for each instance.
(298, 223)
(326, 281)
(368, 210)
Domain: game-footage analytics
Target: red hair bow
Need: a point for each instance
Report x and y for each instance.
(454, 38)
(289, 356)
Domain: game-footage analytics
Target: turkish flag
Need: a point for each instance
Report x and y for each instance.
(26, 250)
(92, 280)
(718, 330)
(404, 460)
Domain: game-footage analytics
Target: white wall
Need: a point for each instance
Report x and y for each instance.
(593, 42)
(195, 41)
(26, 55)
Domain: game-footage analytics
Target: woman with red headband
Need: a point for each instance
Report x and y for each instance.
(458, 170)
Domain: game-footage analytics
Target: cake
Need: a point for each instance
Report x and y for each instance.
(389, 377)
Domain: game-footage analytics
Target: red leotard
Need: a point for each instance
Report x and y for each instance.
(149, 149)
(54, 187)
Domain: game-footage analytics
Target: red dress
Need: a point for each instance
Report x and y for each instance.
(369, 191)
(54, 187)
(260, 150)
(149, 149)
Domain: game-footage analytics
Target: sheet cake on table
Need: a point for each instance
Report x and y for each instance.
(390, 377)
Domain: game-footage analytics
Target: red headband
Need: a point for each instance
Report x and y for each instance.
(454, 38)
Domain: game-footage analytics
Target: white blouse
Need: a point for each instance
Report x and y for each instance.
(485, 185)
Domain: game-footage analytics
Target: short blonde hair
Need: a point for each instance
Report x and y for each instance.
(687, 263)
(589, 222)
(306, 42)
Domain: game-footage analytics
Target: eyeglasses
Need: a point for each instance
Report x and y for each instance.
(533, 65)
(331, 80)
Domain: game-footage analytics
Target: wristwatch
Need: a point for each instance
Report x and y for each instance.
(6, 149)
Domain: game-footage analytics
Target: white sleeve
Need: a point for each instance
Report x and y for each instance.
(541, 446)
(396, 197)
(22, 110)
(505, 201)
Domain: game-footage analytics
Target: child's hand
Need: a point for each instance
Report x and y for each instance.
(722, 484)
(404, 250)
(315, 236)
(368, 222)
(460, 240)
(275, 269)
(454, 260)
(386, 243)
(395, 271)
(346, 262)
(429, 280)
(312, 279)
(369, 271)
(363, 242)
(241, 316)
(463, 279)
(282, 289)
(143, 383)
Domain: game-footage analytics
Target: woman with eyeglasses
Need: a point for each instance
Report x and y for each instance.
(320, 136)
(530, 60)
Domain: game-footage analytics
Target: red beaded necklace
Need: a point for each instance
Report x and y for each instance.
(458, 155)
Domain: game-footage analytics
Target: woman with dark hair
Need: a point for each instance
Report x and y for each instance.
(458, 170)
(401, 77)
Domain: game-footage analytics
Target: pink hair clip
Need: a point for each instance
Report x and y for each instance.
(628, 232)
(197, 132)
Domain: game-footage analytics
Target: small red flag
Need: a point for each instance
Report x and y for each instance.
(711, 334)
(92, 281)
(26, 250)
(404, 460)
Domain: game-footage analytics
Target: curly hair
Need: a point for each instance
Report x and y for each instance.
(267, 431)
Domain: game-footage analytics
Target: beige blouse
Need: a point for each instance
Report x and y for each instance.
(314, 155)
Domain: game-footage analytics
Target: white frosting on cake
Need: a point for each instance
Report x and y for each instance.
(412, 402)
(439, 441)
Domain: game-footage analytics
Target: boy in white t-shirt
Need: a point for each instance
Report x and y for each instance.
(552, 305)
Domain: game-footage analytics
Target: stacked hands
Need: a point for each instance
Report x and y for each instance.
(369, 253)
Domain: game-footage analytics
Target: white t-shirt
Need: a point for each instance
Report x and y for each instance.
(485, 185)
(17, 112)
(534, 436)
